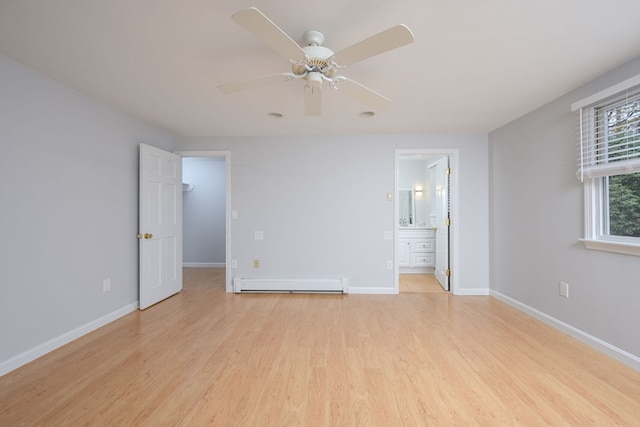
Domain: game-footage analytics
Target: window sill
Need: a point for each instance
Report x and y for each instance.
(609, 246)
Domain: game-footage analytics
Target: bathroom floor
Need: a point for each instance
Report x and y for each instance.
(420, 284)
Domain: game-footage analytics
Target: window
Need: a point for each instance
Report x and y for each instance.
(609, 167)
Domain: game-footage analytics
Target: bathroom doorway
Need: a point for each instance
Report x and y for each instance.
(423, 220)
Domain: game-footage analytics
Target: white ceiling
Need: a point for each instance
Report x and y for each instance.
(475, 65)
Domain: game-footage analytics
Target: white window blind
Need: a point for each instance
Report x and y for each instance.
(610, 136)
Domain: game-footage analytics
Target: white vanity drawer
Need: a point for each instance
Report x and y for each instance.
(423, 245)
(424, 259)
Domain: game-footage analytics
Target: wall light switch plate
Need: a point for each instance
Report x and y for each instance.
(234, 263)
(234, 214)
(389, 264)
(387, 235)
(258, 235)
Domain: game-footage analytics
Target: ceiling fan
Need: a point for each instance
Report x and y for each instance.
(316, 64)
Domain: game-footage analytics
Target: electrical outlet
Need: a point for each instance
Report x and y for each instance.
(564, 289)
(256, 263)
(234, 263)
(258, 235)
(106, 285)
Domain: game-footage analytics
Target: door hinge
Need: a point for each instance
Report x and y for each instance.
(448, 171)
(447, 221)
(447, 273)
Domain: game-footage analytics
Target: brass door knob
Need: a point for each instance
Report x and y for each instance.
(148, 236)
(139, 236)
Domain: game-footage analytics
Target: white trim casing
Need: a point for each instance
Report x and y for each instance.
(612, 246)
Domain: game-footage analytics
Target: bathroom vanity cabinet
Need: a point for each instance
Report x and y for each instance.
(416, 250)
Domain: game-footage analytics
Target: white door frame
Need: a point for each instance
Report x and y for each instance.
(453, 199)
(227, 166)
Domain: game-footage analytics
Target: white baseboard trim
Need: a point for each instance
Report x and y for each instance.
(593, 342)
(42, 349)
(203, 264)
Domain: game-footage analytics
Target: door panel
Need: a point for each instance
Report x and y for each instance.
(160, 225)
(441, 192)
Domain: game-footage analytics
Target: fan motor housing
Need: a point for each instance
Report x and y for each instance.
(316, 61)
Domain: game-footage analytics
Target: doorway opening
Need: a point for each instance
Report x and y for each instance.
(424, 220)
(206, 210)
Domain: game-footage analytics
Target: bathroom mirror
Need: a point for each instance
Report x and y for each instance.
(407, 213)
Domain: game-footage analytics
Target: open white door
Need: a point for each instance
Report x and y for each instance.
(160, 231)
(440, 174)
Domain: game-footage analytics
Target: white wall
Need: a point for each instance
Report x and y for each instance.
(537, 219)
(204, 211)
(68, 209)
(321, 204)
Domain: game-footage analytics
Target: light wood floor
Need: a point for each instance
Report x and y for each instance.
(204, 357)
(420, 284)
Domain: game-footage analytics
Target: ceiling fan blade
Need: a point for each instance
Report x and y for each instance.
(362, 93)
(382, 42)
(259, 25)
(312, 100)
(254, 82)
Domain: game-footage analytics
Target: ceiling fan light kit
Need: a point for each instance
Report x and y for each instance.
(315, 63)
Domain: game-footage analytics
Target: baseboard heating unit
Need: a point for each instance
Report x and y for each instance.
(242, 284)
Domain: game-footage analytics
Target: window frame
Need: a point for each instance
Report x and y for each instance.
(596, 199)
(595, 220)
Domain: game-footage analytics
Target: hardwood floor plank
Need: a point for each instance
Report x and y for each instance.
(205, 357)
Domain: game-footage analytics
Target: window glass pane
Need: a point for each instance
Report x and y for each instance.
(621, 130)
(624, 205)
(617, 134)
